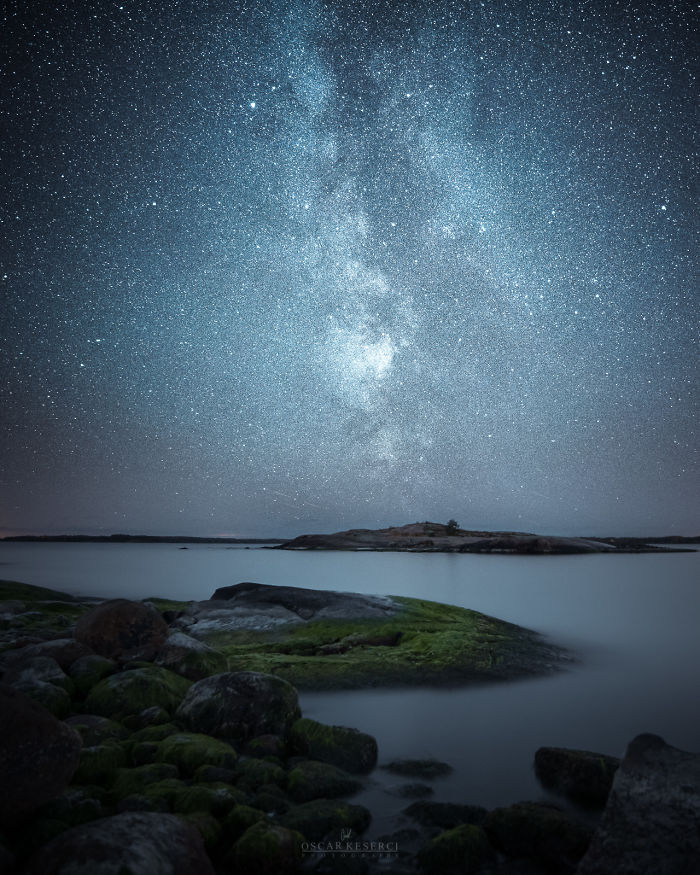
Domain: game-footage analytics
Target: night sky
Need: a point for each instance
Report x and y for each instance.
(279, 267)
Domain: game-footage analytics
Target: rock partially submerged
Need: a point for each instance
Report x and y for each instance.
(650, 822)
(581, 775)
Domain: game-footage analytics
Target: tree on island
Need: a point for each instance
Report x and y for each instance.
(452, 527)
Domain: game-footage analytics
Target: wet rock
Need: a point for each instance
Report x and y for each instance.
(313, 780)
(348, 749)
(410, 791)
(190, 658)
(141, 843)
(188, 751)
(540, 833)
(445, 815)
(133, 691)
(240, 705)
(89, 670)
(38, 756)
(123, 630)
(650, 823)
(462, 850)
(580, 775)
(268, 849)
(425, 769)
(319, 818)
(30, 675)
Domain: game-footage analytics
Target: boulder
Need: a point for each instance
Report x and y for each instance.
(650, 823)
(240, 705)
(188, 751)
(580, 775)
(94, 729)
(123, 630)
(462, 850)
(89, 670)
(253, 773)
(324, 817)
(133, 782)
(99, 763)
(38, 755)
(64, 650)
(348, 749)
(313, 780)
(36, 670)
(190, 658)
(540, 833)
(141, 843)
(268, 849)
(133, 691)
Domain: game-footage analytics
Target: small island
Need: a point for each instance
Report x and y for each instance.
(430, 537)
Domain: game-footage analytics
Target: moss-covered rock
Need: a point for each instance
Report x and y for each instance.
(155, 733)
(214, 774)
(581, 775)
(348, 749)
(95, 730)
(268, 849)
(316, 819)
(131, 692)
(99, 764)
(141, 802)
(130, 782)
(189, 750)
(538, 832)
(215, 799)
(76, 805)
(144, 752)
(190, 658)
(240, 705)
(310, 779)
(271, 799)
(267, 746)
(253, 773)
(55, 699)
(89, 670)
(208, 827)
(239, 819)
(462, 850)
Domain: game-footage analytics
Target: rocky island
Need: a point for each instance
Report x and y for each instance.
(430, 537)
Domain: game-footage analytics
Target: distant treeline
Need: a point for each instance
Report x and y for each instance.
(143, 539)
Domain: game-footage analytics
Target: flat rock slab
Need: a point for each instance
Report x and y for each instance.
(650, 823)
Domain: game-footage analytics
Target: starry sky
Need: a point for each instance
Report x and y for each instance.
(278, 267)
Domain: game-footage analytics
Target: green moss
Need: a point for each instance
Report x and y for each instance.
(426, 642)
(167, 604)
(253, 773)
(313, 780)
(239, 819)
(155, 733)
(316, 819)
(90, 670)
(268, 849)
(208, 826)
(26, 592)
(133, 782)
(190, 750)
(340, 746)
(462, 850)
(130, 692)
(216, 799)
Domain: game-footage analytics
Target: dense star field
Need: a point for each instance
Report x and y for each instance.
(275, 267)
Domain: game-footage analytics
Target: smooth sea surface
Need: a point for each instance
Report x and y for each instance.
(632, 621)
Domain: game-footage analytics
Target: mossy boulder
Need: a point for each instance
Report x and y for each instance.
(189, 750)
(89, 670)
(64, 650)
(271, 799)
(263, 746)
(238, 706)
(155, 733)
(212, 774)
(95, 730)
(239, 819)
(190, 657)
(348, 749)
(99, 764)
(318, 818)
(54, 699)
(215, 799)
(538, 832)
(253, 773)
(209, 828)
(133, 691)
(130, 782)
(310, 779)
(581, 775)
(459, 851)
(76, 805)
(268, 849)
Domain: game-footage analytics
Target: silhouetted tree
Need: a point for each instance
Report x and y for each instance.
(452, 527)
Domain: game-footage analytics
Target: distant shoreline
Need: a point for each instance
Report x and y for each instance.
(140, 539)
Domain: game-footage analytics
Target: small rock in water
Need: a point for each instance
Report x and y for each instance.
(426, 769)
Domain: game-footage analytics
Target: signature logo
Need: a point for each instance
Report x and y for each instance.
(345, 834)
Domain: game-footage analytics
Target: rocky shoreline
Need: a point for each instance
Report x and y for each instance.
(130, 744)
(430, 537)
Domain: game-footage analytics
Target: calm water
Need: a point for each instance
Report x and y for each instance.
(633, 621)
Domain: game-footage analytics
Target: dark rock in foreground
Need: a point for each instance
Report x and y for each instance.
(581, 775)
(38, 755)
(123, 630)
(650, 823)
(140, 843)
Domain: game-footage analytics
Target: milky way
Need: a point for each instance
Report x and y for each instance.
(281, 267)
